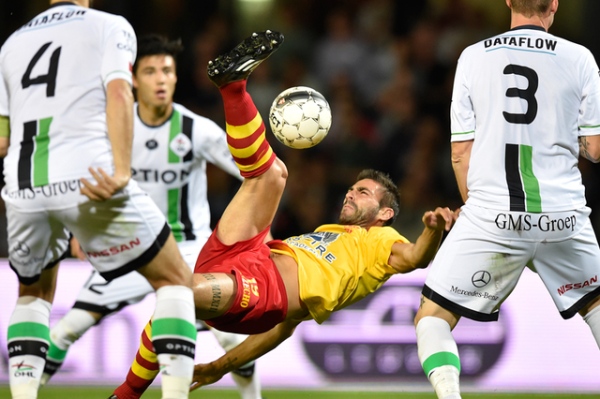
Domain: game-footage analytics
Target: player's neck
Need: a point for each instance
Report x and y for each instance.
(536, 20)
(82, 3)
(154, 115)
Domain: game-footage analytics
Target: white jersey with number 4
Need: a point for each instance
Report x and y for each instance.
(525, 97)
(53, 90)
(169, 163)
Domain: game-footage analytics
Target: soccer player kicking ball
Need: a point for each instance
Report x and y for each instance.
(246, 286)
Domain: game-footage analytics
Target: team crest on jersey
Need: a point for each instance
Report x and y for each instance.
(180, 144)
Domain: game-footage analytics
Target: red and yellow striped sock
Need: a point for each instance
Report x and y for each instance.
(245, 131)
(143, 370)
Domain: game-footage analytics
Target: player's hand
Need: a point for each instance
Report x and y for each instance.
(76, 250)
(440, 219)
(205, 374)
(106, 186)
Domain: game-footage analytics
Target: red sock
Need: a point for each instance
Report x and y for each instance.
(143, 370)
(245, 131)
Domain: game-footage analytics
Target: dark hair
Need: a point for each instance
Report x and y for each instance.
(155, 44)
(530, 8)
(391, 195)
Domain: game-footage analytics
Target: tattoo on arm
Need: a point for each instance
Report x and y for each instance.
(229, 363)
(216, 292)
(583, 149)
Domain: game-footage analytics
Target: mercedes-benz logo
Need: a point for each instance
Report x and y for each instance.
(481, 278)
(151, 144)
(22, 249)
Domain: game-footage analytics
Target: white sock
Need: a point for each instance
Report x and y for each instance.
(174, 339)
(68, 330)
(592, 318)
(438, 354)
(28, 334)
(249, 387)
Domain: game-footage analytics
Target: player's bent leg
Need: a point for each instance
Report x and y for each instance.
(64, 334)
(591, 315)
(214, 294)
(28, 334)
(253, 207)
(173, 322)
(246, 377)
(437, 349)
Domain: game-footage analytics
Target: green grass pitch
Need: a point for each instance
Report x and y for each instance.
(104, 392)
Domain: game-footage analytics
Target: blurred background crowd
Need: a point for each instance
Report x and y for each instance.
(385, 66)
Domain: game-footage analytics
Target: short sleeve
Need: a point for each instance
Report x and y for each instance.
(3, 92)
(3, 98)
(462, 115)
(120, 49)
(589, 113)
(212, 146)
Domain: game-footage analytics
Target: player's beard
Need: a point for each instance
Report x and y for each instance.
(360, 217)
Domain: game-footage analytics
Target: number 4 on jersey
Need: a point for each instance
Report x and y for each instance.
(49, 78)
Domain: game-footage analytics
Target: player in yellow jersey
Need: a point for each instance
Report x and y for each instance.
(246, 286)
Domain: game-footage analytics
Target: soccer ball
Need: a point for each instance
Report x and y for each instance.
(300, 117)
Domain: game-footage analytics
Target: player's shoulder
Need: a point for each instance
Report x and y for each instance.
(108, 19)
(201, 123)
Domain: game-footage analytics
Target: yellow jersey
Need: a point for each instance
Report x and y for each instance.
(339, 265)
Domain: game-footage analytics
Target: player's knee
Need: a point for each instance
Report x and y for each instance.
(277, 175)
(591, 305)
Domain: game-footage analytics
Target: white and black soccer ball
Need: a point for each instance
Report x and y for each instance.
(300, 117)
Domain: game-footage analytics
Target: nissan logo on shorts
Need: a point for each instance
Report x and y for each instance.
(21, 249)
(481, 278)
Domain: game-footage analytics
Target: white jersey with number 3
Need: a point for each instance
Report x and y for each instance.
(525, 97)
(53, 90)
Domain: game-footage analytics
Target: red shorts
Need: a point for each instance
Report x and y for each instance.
(261, 300)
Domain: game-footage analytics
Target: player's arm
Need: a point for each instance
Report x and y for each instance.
(589, 147)
(461, 156)
(406, 257)
(119, 120)
(250, 349)
(4, 135)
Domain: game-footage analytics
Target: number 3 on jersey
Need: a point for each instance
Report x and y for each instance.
(527, 94)
(523, 186)
(50, 77)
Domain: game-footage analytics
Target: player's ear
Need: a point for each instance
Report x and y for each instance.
(134, 80)
(386, 214)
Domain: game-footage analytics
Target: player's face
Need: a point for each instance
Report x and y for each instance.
(361, 204)
(155, 80)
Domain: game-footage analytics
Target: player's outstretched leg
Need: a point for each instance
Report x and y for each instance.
(68, 330)
(253, 207)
